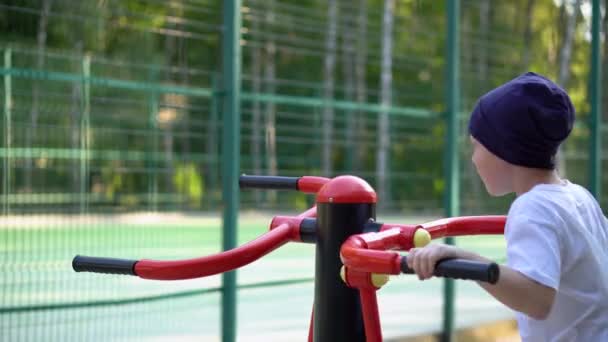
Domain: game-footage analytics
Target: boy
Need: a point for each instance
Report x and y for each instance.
(556, 276)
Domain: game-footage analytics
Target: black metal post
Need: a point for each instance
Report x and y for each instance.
(337, 308)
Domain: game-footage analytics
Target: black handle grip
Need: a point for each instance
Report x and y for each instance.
(103, 265)
(269, 182)
(461, 269)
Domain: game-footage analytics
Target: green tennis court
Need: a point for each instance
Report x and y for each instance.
(275, 298)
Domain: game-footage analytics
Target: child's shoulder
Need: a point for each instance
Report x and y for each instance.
(552, 201)
(547, 198)
(535, 199)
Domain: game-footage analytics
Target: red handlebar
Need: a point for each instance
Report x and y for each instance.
(368, 252)
(217, 263)
(466, 225)
(286, 231)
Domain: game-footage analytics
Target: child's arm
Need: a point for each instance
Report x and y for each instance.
(513, 289)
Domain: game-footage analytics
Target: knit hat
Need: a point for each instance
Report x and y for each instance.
(524, 121)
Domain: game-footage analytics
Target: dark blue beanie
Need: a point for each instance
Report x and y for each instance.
(524, 121)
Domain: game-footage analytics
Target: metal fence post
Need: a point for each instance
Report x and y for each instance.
(452, 152)
(231, 86)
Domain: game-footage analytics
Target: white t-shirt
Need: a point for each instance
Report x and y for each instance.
(557, 235)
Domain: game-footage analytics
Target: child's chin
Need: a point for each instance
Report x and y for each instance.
(496, 192)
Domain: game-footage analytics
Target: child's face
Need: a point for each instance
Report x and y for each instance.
(494, 172)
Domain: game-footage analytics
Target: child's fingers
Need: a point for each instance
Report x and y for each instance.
(422, 261)
(426, 264)
(417, 262)
(429, 265)
(411, 256)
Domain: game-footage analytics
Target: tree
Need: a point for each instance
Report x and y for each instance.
(269, 80)
(485, 13)
(527, 38)
(348, 56)
(571, 12)
(386, 83)
(605, 62)
(35, 110)
(256, 66)
(328, 89)
(361, 81)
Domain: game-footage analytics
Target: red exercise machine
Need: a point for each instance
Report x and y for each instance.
(354, 253)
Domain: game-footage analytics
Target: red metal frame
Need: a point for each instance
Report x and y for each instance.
(294, 222)
(364, 256)
(346, 189)
(311, 184)
(288, 230)
(369, 304)
(466, 225)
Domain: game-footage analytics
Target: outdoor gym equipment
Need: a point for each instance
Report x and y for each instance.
(354, 253)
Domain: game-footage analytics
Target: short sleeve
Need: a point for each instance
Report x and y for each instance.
(533, 249)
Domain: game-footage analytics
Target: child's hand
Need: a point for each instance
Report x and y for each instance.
(423, 260)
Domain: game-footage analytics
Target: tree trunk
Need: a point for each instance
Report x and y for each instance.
(212, 169)
(169, 52)
(385, 101)
(174, 57)
(168, 154)
(185, 79)
(472, 201)
(35, 110)
(565, 55)
(255, 115)
(361, 83)
(526, 55)
(75, 124)
(484, 28)
(605, 62)
(349, 88)
(269, 78)
(328, 91)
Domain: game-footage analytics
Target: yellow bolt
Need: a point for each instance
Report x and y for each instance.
(379, 280)
(343, 273)
(421, 238)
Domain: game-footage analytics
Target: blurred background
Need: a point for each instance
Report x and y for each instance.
(113, 116)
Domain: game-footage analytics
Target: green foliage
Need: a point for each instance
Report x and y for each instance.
(179, 43)
(188, 182)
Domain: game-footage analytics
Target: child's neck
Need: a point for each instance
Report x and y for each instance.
(524, 179)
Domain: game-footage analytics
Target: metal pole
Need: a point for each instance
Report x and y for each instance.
(452, 192)
(6, 181)
(595, 98)
(231, 81)
(343, 208)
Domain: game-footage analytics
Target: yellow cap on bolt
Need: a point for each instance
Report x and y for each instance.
(379, 280)
(343, 273)
(421, 238)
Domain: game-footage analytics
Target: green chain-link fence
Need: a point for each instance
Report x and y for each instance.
(111, 133)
